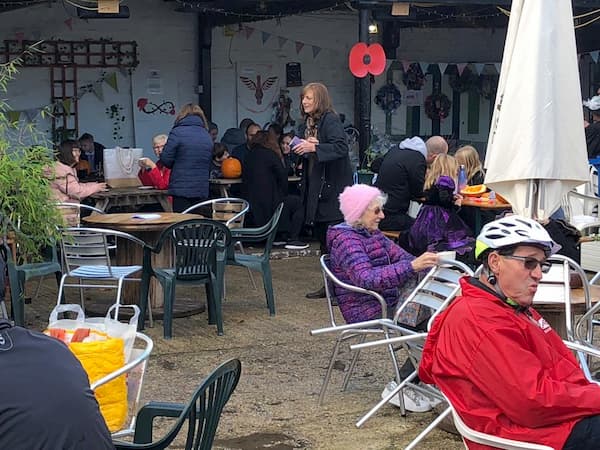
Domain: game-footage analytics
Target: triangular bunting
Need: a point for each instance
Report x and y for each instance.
(69, 23)
(31, 114)
(594, 55)
(299, 47)
(442, 67)
(461, 67)
(98, 91)
(265, 36)
(479, 67)
(111, 80)
(388, 63)
(281, 40)
(13, 116)
(424, 66)
(249, 31)
(405, 65)
(316, 50)
(66, 105)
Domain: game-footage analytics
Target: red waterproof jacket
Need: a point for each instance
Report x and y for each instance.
(506, 373)
(157, 177)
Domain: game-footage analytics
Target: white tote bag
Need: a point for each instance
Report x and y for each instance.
(121, 166)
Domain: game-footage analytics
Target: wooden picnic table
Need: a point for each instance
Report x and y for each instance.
(132, 197)
(554, 312)
(224, 184)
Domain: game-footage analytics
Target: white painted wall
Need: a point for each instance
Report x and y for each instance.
(166, 43)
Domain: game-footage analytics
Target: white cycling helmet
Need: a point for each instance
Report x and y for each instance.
(514, 230)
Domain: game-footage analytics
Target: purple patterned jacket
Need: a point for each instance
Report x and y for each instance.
(371, 261)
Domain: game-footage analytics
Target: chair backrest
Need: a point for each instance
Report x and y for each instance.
(265, 234)
(437, 289)
(229, 210)
(581, 209)
(331, 281)
(74, 210)
(203, 411)
(196, 242)
(84, 247)
(555, 287)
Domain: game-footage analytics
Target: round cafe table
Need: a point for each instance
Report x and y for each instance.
(147, 227)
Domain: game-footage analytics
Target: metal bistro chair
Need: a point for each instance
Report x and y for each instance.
(229, 210)
(437, 289)
(86, 256)
(359, 331)
(202, 413)
(196, 243)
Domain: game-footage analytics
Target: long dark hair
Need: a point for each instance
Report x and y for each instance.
(65, 152)
(266, 140)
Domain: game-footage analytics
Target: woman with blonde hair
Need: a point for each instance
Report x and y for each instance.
(326, 170)
(188, 153)
(437, 226)
(468, 156)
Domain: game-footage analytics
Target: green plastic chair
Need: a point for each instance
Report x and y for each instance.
(202, 413)
(18, 274)
(196, 243)
(260, 263)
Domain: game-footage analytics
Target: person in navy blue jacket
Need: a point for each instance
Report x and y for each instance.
(187, 153)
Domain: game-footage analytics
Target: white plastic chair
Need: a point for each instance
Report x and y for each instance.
(581, 210)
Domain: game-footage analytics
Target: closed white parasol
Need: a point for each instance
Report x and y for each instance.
(536, 149)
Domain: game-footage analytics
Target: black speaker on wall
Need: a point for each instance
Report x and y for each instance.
(390, 39)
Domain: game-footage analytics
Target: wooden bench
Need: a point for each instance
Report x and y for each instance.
(393, 235)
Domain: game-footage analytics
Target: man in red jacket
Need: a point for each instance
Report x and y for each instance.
(498, 361)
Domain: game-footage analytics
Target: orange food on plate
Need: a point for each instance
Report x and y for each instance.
(474, 191)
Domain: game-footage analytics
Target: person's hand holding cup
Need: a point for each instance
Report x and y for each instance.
(146, 163)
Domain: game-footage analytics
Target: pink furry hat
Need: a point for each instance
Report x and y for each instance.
(355, 200)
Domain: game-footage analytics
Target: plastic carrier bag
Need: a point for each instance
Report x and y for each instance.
(100, 346)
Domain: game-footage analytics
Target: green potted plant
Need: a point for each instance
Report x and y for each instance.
(27, 207)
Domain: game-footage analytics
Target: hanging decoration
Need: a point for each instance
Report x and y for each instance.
(366, 59)
(467, 81)
(437, 106)
(413, 77)
(388, 98)
(488, 86)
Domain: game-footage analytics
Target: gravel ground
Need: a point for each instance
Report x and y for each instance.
(275, 403)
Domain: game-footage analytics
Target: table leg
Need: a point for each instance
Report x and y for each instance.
(165, 203)
(102, 204)
(223, 190)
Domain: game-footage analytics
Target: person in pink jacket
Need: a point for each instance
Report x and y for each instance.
(151, 173)
(65, 185)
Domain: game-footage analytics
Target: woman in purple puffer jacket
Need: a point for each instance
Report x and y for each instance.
(362, 256)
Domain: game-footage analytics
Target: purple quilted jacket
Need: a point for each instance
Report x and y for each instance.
(371, 261)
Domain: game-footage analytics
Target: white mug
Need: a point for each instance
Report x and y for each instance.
(450, 254)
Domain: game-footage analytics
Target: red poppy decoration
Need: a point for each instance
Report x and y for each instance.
(365, 59)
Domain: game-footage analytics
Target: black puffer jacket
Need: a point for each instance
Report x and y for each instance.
(326, 176)
(188, 153)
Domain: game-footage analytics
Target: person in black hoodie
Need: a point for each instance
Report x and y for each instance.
(325, 161)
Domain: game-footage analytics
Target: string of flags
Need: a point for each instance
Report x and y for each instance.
(95, 87)
(281, 40)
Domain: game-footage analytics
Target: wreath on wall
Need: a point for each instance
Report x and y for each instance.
(437, 106)
(388, 98)
(413, 77)
(468, 81)
(488, 86)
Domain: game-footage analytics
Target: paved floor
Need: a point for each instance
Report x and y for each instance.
(275, 404)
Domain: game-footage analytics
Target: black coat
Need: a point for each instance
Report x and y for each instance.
(401, 176)
(264, 184)
(329, 172)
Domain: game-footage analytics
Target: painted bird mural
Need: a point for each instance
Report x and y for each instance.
(259, 87)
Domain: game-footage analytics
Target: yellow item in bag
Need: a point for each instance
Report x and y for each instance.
(100, 358)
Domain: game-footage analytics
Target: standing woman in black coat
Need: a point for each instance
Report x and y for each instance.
(326, 163)
(264, 178)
